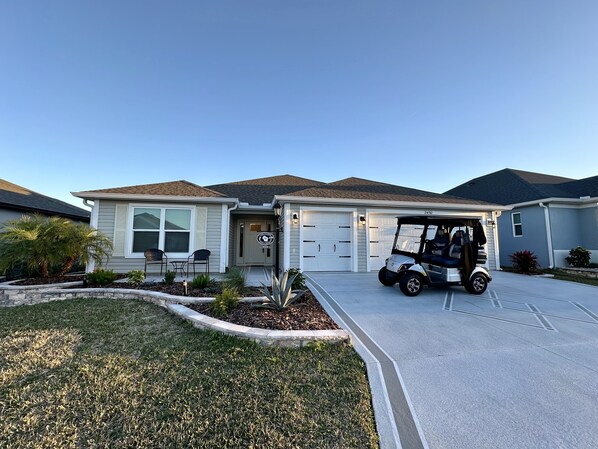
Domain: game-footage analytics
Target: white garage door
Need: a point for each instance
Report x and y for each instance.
(326, 241)
(382, 234)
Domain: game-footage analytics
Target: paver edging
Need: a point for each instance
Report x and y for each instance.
(29, 295)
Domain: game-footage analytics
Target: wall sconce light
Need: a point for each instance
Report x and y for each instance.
(490, 223)
(295, 217)
(362, 220)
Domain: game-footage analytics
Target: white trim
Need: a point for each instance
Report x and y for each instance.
(286, 238)
(129, 254)
(143, 197)
(495, 216)
(223, 237)
(93, 222)
(355, 253)
(368, 238)
(579, 201)
(419, 206)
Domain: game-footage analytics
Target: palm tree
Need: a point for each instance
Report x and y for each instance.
(40, 242)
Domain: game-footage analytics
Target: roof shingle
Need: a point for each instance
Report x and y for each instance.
(173, 188)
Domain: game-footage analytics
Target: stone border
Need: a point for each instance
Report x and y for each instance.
(583, 272)
(13, 295)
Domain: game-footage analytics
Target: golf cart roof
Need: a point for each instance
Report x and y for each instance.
(438, 221)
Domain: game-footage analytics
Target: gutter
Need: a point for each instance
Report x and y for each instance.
(548, 235)
(584, 200)
(386, 203)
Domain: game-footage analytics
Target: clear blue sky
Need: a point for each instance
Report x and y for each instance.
(97, 94)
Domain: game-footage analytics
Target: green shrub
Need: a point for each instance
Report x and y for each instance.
(201, 281)
(579, 257)
(525, 262)
(225, 302)
(235, 279)
(299, 282)
(282, 295)
(136, 277)
(169, 277)
(100, 277)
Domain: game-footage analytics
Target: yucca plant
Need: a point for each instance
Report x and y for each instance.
(282, 295)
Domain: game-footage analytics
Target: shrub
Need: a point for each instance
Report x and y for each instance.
(579, 257)
(169, 277)
(100, 277)
(299, 282)
(225, 302)
(235, 279)
(136, 277)
(40, 243)
(201, 281)
(282, 295)
(524, 261)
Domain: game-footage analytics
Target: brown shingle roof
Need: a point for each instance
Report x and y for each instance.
(173, 188)
(262, 190)
(364, 189)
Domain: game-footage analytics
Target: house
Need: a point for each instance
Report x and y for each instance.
(347, 225)
(549, 215)
(16, 201)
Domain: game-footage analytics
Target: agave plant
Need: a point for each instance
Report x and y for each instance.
(282, 295)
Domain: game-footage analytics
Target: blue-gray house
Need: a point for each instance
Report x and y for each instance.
(550, 215)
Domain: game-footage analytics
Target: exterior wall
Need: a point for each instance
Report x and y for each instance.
(114, 226)
(362, 240)
(533, 238)
(588, 225)
(9, 214)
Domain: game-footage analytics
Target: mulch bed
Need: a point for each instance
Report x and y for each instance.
(306, 314)
(49, 280)
(177, 289)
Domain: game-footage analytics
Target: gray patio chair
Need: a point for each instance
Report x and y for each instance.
(155, 256)
(199, 257)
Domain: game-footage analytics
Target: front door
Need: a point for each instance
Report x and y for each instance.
(249, 250)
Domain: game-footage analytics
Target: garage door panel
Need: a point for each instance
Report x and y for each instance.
(381, 235)
(327, 241)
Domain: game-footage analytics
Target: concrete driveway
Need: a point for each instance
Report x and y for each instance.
(516, 367)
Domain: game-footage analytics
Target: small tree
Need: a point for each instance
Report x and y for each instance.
(579, 257)
(40, 243)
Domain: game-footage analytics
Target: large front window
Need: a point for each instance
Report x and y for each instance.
(160, 227)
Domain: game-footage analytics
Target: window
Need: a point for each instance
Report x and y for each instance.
(159, 227)
(517, 226)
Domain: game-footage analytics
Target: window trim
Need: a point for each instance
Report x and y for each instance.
(129, 254)
(514, 225)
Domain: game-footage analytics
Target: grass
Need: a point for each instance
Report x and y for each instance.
(110, 373)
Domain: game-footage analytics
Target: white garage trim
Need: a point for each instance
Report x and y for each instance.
(353, 221)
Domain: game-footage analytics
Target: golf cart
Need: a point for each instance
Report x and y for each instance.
(437, 251)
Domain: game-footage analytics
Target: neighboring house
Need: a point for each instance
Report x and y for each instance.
(549, 215)
(347, 225)
(16, 201)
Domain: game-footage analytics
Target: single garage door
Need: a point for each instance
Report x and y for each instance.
(327, 240)
(382, 233)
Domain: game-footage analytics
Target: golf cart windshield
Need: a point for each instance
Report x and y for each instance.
(409, 236)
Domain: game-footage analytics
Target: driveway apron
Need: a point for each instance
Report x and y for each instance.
(516, 367)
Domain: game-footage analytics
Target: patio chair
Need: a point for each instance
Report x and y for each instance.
(199, 257)
(155, 256)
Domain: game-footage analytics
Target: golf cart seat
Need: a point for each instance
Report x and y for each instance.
(451, 255)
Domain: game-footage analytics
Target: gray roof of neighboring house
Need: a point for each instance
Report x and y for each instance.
(364, 189)
(15, 197)
(262, 190)
(173, 188)
(510, 186)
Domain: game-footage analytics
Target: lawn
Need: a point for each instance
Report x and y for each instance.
(112, 373)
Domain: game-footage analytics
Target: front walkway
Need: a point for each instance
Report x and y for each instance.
(516, 367)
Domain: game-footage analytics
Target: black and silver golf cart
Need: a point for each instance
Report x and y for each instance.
(437, 251)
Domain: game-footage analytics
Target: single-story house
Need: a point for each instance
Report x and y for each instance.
(16, 201)
(347, 225)
(549, 215)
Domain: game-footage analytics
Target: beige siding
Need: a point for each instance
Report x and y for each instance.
(112, 220)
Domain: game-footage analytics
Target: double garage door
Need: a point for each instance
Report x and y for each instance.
(327, 241)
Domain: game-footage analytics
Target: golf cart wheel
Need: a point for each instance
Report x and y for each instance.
(387, 277)
(411, 284)
(477, 284)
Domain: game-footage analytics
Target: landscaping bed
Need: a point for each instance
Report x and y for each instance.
(177, 289)
(49, 280)
(305, 314)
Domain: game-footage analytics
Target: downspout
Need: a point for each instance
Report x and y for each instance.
(230, 209)
(548, 235)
